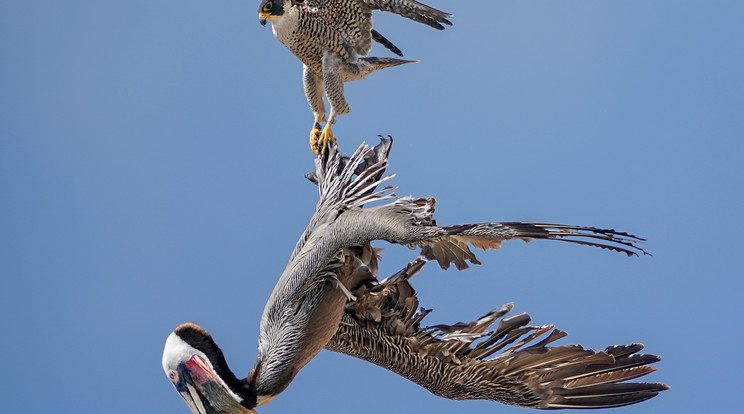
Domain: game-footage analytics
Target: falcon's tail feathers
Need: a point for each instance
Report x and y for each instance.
(368, 65)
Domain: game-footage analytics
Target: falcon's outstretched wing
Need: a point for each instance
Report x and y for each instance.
(412, 10)
(512, 364)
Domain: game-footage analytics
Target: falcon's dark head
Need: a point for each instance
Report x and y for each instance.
(268, 9)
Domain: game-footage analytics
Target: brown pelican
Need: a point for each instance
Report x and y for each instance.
(328, 297)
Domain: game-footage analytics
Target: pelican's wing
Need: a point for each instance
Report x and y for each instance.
(452, 245)
(512, 364)
(410, 221)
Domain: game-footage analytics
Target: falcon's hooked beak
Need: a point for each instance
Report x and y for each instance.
(203, 391)
(263, 18)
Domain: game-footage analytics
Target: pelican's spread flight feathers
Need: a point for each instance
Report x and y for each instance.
(512, 363)
(328, 296)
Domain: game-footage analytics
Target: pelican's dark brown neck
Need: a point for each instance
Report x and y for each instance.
(202, 341)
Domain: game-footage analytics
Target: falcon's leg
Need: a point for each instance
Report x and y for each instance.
(313, 85)
(334, 89)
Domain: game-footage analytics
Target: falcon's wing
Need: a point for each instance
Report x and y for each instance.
(377, 37)
(412, 10)
(383, 326)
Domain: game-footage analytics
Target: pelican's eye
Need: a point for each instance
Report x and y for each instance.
(267, 7)
(172, 374)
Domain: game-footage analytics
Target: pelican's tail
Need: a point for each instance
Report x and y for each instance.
(345, 183)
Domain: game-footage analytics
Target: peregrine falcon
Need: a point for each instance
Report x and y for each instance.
(329, 36)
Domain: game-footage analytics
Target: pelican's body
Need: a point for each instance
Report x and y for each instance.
(324, 271)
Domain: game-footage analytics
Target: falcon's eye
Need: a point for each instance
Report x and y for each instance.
(267, 7)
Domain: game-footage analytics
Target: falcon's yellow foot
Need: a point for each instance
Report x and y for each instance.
(314, 135)
(326, 138)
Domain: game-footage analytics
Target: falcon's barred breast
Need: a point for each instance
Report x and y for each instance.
(332, 39)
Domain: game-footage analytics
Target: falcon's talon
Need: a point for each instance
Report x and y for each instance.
(326, 138)
(314, 136)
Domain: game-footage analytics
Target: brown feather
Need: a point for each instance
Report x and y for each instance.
(450, 360)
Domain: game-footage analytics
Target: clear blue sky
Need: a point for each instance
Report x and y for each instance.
(152, 156)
